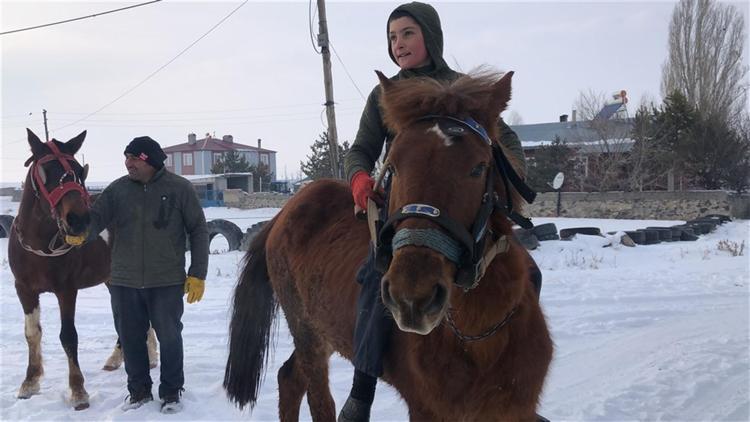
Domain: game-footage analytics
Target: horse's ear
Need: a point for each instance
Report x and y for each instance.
(37, 146)
(385, 83)
(75, 144)
(85, 172)
(500, 94)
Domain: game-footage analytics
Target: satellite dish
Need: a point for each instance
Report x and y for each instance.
(558, 181)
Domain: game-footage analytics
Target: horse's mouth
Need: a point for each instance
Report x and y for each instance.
(418, 316)
(421, 324)
(74, 224)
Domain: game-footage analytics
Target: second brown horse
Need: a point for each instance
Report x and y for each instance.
(306, 259)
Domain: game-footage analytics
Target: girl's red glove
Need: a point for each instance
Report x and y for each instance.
(362, 188)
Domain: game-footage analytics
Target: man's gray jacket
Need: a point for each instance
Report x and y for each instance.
(151, 223)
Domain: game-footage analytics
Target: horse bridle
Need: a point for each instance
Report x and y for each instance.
(54, 197)
(466, 249)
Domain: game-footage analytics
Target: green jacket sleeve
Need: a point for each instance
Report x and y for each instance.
(197, 231)
(371, 135)
(102, 213)
(510, 141)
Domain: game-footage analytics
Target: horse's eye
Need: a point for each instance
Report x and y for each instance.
(478, 170)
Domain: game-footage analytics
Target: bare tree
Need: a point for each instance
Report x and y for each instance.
(604, 141)
(706, 43)
(514, 118)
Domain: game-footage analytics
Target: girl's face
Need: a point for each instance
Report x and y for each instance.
(407, 43)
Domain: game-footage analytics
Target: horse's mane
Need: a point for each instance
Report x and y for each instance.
(468, 96)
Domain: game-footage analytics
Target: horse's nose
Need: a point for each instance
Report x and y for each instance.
(435, 303)
(421, 306)
(386, 293)
(78, 223)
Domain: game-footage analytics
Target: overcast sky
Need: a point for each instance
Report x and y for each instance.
(257, 75)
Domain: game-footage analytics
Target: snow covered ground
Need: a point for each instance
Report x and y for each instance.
(647, 333)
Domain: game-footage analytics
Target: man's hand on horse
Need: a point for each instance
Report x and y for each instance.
(75, 240)
(194, 288)
(362, 188)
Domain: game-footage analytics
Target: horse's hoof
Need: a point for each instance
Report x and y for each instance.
(80, 401)
(112, 363)
(27, 390)
(81, 406)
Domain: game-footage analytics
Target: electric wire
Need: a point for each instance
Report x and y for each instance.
(346, 70)
(310, 24)
(157, 70)
(79, 18)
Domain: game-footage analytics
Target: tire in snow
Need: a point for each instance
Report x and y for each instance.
(229, 230)
(6, 221)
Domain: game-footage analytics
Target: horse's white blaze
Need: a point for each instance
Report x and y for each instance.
(436, 130)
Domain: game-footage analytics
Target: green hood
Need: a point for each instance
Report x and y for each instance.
(428, 19)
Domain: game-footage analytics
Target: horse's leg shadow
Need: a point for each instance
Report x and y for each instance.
(69, 339)
(33, 333)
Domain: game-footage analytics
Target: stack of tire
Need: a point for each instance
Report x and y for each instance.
(687, 232)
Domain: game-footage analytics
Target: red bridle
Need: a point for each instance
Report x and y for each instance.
(54, 197)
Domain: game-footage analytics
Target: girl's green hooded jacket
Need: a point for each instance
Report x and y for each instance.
(372, 133)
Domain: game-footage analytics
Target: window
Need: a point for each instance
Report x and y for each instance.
(168, 162)
(264, 159)
(217, 157)
(187, 159)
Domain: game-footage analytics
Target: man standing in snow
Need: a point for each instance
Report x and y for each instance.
(151, 210)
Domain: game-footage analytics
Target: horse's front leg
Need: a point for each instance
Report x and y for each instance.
(69, 340)
(33, 333)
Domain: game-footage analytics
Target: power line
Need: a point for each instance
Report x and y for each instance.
(157, 70)
(153, 113)
(77, 19)
(310, 21)
(345, 70)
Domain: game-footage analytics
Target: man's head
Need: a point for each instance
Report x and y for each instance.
(143, 158)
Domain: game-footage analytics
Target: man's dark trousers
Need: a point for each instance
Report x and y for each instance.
(162, 308)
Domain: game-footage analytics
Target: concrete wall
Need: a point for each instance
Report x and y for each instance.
(621, 205)
(641, 205)
(236, 198)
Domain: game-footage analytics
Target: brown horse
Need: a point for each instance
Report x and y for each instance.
(55, 203)
(473, 343)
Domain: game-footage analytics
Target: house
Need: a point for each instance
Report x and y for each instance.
(197, 156)
(606, 137)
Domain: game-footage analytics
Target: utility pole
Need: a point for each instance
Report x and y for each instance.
(46, 132)
(328, 80)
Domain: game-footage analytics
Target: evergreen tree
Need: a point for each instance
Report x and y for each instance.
(318, 164)
(262, 177)
(231, 162)
(547, 161)
(715, 155)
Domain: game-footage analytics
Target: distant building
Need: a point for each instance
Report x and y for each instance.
(586, 136)
(197, 156)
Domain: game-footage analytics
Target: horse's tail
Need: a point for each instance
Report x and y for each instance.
(253, 313)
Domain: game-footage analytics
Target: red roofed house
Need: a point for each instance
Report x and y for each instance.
(196, 156)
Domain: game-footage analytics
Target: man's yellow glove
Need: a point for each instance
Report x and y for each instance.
(75, 240)
(194, 288)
